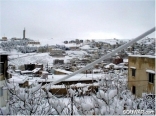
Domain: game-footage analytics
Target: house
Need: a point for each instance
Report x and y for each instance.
(58, 61)
(57, 53)
(72, 46)
(3, 75)
(118, 60)
(43, 49)
(36, 71)
(39, 65)
(21, 80)
(141, 74)
(4, 39)
(81, 41)
(29, 66)
(33, 43)
(77, 41)
(77, 81)
(33, 66)
(65, 42)
(111, 66)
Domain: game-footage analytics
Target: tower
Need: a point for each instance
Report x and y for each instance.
(24, 33)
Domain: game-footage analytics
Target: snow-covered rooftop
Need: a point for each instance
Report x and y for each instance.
(36, 70)
(85, 47)
(78, 77)
(18, 79)
(147, 56)
(72, 45)
(111, 41)
(64, 71)
(125, 60)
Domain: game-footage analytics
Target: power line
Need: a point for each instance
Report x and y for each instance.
(106, 56)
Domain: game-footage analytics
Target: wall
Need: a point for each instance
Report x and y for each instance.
(140, 81)
(5, 95)
(3, 75)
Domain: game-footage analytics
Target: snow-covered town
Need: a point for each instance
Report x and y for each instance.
(77, 57)
(123, 81)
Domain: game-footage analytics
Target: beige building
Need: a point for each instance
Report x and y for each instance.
(4, 38)
(141, 74)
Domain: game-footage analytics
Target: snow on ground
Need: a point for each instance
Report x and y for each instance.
(64, 71)
(78, 77)
(52, 41)
(111, 41)
(146, 41)
(43, 58)
(76, 53)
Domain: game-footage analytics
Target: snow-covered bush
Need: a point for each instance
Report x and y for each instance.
(33, 101)
(111, 98)
(20, 46)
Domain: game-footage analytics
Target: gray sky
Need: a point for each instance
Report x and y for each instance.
(82, 19)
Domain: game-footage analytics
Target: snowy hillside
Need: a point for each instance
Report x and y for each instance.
(112, 41)
(146, 41)
(35, 58)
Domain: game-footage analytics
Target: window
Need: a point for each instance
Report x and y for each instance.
(151, 77)
(133, 89)
(1, 68)
(1, 91)
(133, 72)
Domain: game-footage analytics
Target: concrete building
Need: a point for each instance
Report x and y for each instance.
(141, 74)
(57, 53)
(3, 75)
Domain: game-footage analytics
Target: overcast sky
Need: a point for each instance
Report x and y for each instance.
(82, 19)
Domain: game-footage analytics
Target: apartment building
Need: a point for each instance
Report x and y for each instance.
(141, 74)
(3, 75)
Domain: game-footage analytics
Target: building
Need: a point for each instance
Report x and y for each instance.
(75, 82)
(29, 66)
(4, 39)
(141, 74)
(24, 33)
(3, 75)
(57, 53)
(15, 39)
(33, 66)
(117, 60)
(65, 42)
(33, 43)
(58, 61)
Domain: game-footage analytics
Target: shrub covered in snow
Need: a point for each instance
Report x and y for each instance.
(111, 98)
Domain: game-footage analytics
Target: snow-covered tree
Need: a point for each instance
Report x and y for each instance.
(111, 98)
(33, 101)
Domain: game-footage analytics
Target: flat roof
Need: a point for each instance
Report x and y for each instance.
(147, 56)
